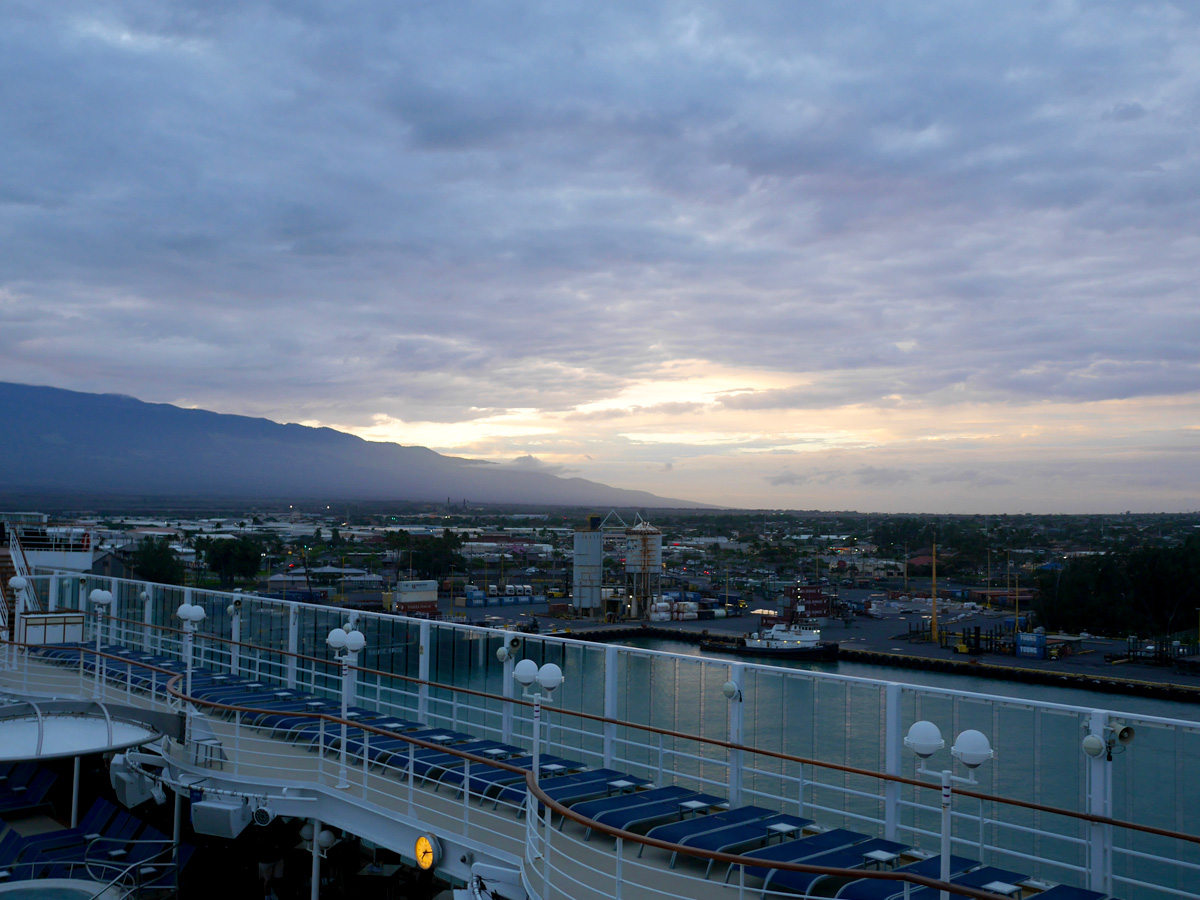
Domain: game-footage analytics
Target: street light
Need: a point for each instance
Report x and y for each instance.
(100, 600)
(971, 749)
(548, 678)
(347, 643)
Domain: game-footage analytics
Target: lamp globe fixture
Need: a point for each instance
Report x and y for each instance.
(525, 672)
(336, 639)
(549, 676)
(924, 739)
(972, 749)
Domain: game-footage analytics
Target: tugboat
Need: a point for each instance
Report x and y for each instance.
(801, 640)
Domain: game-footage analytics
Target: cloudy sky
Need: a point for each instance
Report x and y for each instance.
(913, 256)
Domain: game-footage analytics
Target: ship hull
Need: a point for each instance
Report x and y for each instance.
(826, 651)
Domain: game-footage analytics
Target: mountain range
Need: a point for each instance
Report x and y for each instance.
(58, 442)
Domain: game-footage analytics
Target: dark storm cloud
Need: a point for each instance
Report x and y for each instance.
(441, 212)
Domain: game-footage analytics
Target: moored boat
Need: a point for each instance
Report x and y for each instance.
(798, 641)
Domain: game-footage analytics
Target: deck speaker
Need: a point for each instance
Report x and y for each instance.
(263, 816)
(220, 818)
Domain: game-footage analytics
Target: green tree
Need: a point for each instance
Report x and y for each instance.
(232, 559)
(154, 560)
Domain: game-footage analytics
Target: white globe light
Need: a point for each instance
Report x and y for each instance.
(972, 748)
(924, 739)
(502, 654)
(336, 639)
(198, 613)
(729, 689)
(183, 611)
(325, 839)
(355, 641)
(549, 677)
(306, 831)
(98, 596)
(525, 672)
(1094, 746)
(17, 582)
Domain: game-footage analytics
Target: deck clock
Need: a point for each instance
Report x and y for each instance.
(427, 851)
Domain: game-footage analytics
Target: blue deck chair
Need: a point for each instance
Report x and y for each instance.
(869, 889)
(433, 765)
(975, 878)
(568, 789)
(110, 846)
(18, 774)
(573, 787)
(732, 838)
(33, 793)
(91, 825)
(800, 849)
(678, 832)
(590, 809)
(1067, 892)
(853, 857)
(512, 793)
(455, 776)
(638, 816)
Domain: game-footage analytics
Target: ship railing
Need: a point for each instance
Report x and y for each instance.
(553, 858)
(1030, 763)
(111, 874)
(246, 751)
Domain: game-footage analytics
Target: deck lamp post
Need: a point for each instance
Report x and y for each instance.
(100, 600)
(318, 840)
(971, 749)
(347, 644)
(548, 678)
(191, 615)
(18, 583)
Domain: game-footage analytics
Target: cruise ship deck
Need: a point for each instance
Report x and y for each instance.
(661, 775)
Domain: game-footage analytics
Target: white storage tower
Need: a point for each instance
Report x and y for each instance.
(643, 567)
(589, 568)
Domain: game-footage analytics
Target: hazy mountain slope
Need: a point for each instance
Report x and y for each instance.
(59, 441)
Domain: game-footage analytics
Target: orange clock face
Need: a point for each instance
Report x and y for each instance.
(426, 851)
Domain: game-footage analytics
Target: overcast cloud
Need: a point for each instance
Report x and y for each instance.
(898, 256)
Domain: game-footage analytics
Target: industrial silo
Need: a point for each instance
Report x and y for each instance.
(589, 568)
(643, 567)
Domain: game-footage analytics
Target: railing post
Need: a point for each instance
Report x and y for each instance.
(893, 745)
(466, 794)
(293, 642)
(546, 832)
(52, 600)
(737, 733)
(314, 891)
(147, 593)
(412, 752)
(1099, 803)
(506, 713)
(321, 751)
(610, 703)
(235, 634)
(424, 651)
(366, 760)
(619, 876)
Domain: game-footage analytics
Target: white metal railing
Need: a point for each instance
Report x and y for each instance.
(797, 713)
